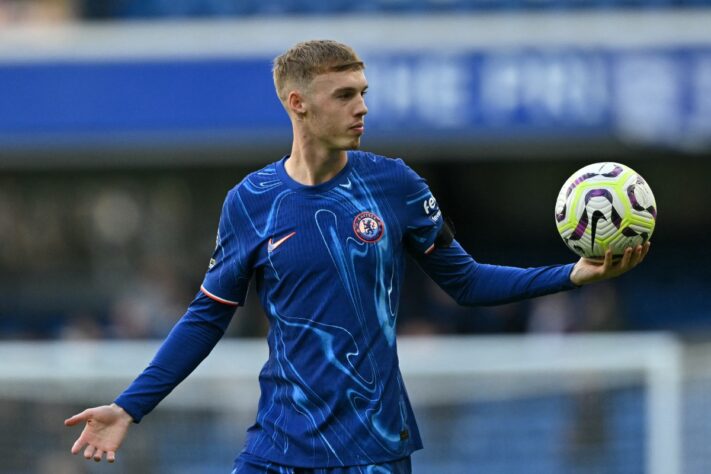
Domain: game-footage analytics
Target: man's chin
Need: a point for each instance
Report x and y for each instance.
(353, 144)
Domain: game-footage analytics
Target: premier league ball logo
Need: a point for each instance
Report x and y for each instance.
(368, 227)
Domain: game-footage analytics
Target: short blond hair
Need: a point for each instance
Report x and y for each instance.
(297, 66)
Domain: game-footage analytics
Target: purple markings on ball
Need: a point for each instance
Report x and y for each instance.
(616, 171)
(580, 228)
(616, 218)
(633, 199)
(629, 232)
(593, 193)
(579, 180)
(560, 216)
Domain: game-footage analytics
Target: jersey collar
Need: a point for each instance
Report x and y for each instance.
(319, 188)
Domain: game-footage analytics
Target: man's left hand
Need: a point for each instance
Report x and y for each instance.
(589, 271)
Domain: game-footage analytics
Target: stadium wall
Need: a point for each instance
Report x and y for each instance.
(470, 86)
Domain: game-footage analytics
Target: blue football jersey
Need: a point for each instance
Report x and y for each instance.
(328, 265)
(328, 262)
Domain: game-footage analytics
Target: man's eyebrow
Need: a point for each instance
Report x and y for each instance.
(349, 89)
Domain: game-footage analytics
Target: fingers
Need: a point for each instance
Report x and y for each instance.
(78, 444)
(626, 257)
(78, 418)
(607, 263)
(633, 256)
(92, 452)
(74, 420)
(89, 452)
(596, 270)
(637, 255)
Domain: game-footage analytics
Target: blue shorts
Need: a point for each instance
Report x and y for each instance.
(247, 464)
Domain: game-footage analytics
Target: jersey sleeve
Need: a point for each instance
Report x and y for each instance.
(228, 274)
(422, 214)
(188, 343)
(471, 283)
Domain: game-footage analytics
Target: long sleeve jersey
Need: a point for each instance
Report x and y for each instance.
(328, 262)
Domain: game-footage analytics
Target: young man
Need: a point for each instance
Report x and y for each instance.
(324, 233)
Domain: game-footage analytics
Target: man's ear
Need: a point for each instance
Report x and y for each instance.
(295, 103)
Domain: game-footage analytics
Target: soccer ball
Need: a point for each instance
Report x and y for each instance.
(605, 205)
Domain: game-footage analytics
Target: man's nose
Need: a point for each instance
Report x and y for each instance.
(362, 108)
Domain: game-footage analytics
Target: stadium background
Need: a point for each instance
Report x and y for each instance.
(124, 123)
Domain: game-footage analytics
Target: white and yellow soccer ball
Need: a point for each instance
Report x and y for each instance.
(605, 205)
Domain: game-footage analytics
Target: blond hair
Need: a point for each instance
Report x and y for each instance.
(297, 66)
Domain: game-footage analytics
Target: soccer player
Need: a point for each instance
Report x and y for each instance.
(324, 232)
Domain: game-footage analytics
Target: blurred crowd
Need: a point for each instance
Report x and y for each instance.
(101, 254)
(37, 11)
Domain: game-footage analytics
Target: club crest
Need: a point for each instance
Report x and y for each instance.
(368, 227)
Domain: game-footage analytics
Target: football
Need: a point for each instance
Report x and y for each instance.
(605, 205)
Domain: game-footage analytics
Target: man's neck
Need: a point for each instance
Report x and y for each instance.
(311, 166)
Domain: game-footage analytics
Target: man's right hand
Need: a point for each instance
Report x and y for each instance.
(106, 427)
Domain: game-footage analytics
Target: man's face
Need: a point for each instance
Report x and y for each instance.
(335, 109)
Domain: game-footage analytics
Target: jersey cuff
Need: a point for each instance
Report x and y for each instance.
(217, 298)
(132, 411)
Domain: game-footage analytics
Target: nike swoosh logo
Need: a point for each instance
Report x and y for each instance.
(597, 215)
(273, 245)
(347, 185)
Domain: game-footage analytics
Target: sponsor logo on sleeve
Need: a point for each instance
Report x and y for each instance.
(432, 209)
(217, 244)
